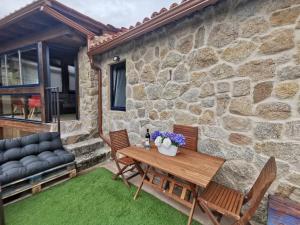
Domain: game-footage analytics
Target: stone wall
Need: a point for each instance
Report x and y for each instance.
(88, 94)
(233, 70)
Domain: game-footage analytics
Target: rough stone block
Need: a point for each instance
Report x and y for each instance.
(201, 58)
(238, 52)
(253, 26)
(236, 123)
(222, 71)
(223, 34)
(285, 16)
(286, 89)
(289, 73)
(183, 117)
(241, 106)
(287, 151)
(258, 69)
(240, 139)
(262, 91)
(274, 110)
(292, 130)
(223, 87)
(207, 89)
(265, 130)
(185, 44)
(277, 41)
(241, 88)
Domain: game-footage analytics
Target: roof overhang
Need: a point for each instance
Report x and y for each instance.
(60, 17)
(62, 13)
(164, 17)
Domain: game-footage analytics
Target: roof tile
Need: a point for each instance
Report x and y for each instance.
(146, 20)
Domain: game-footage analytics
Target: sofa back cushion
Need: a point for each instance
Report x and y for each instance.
(17, 148)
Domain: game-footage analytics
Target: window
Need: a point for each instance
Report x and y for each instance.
(56, 79)
(118, 86)
(19, 68)
(21, 107)
(72, 78)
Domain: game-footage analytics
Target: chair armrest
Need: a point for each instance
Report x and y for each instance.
(2, 221)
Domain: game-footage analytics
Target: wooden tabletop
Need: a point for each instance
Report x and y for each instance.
(194, 167)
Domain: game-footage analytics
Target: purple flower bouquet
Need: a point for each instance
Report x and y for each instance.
(167, 142)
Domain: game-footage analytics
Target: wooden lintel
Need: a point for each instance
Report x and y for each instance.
(20, 90)
(37, 37)
(25, 126)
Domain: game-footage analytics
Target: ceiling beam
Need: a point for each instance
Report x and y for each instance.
(31, 24)
(10, 19)
(34, 38)
(60, 17)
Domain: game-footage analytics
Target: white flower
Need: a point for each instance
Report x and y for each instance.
(158, 141)
(167, 143)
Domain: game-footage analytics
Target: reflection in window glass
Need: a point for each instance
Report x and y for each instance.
(29, 62)
(19, 68)
(13, 71)
(71, 70)
(25, 107)
(3, 71)
(56, 80)
(118, 87)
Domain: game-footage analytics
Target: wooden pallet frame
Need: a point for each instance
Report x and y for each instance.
(158, 181)
(34, 184)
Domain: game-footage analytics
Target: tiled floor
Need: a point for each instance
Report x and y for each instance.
(199, 216)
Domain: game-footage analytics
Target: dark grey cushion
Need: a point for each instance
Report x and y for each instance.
(26, 156)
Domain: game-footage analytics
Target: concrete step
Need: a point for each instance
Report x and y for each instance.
(85, 147)
(91, 159)
(67, 126)
(74, 137)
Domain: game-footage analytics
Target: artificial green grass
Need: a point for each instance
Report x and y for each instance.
(93, 199)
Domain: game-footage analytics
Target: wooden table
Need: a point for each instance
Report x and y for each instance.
(194, 168)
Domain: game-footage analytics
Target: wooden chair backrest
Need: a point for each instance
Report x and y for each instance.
(118, 140)
(260, 187)
(190, 134)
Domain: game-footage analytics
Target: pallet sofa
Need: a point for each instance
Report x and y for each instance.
(32, 163)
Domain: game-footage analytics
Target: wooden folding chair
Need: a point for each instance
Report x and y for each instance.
(119, 140)
(191, 142)
(190, 134)
(218, 200)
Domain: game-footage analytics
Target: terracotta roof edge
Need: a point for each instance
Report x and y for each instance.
(157, 20)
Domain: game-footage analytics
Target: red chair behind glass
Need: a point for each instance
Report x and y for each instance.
(34, 103)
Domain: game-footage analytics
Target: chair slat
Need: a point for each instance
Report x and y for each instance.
(190, 134)
(231, 203)
(230, 200)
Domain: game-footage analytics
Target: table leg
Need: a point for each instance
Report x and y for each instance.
(141, 184)
(195, 200)
(192, 212)
(2, 222)
(139, 168)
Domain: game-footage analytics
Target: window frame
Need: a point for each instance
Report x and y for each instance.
(112, 97)
(38, 66)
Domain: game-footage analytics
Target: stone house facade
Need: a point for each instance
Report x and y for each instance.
(88, 94)
(233, 70)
